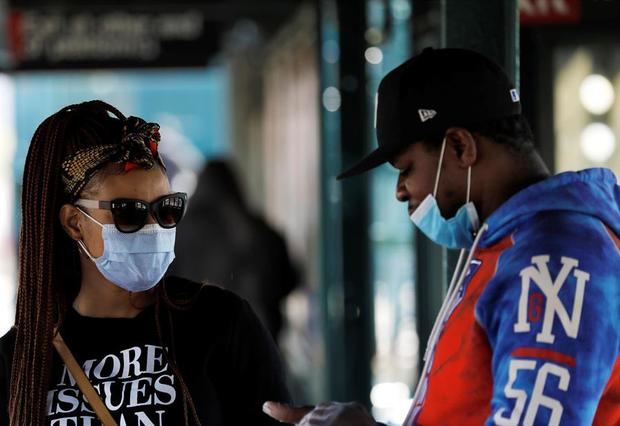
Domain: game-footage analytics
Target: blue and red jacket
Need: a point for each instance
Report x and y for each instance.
(533, 335)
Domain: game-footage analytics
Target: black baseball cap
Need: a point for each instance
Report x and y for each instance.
(431, 92)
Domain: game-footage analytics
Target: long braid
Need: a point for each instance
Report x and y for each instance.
(49, 270)
(37, 301)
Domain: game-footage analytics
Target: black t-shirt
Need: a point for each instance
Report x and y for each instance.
(228, 361)
(125, 362)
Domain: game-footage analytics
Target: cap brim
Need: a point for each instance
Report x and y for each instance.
(372, 160)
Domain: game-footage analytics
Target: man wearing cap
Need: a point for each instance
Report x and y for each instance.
(529, 333)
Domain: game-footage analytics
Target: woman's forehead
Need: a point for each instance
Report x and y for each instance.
(147, 185)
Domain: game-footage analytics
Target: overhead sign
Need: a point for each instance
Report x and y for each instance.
(540, 12)
(40, 39)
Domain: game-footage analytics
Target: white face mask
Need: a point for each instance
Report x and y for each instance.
(455, 233)
(136, 261)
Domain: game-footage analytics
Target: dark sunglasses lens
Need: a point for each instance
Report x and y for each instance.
(170, 210)
(129, 215)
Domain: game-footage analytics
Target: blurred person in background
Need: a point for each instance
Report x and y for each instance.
(529, 332)
(97, 237)
(227, 244)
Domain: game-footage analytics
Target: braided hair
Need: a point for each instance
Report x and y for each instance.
(49, 265)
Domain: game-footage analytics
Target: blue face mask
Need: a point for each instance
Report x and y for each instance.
(136, 261)
(455, 233)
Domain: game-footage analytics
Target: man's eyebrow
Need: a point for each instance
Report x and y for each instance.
(397, 164)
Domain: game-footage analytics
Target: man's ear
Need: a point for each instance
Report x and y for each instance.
(463, 144)
(70, 221)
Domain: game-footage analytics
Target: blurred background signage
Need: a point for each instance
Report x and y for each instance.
(57, 38)
(549, 11)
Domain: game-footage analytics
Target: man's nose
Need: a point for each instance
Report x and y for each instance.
(401, 190)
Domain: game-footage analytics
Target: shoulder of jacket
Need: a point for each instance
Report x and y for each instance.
(562, 232)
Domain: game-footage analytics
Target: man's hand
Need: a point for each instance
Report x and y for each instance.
(286, 413)
(328, 414)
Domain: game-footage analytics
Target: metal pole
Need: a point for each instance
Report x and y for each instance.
(346, 291)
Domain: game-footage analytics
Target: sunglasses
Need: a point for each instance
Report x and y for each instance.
(131, 215)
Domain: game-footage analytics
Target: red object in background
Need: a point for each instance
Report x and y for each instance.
(541, 12)
(15, 36)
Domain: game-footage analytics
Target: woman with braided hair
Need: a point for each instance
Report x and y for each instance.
(102, 335)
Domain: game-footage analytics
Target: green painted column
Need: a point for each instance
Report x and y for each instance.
(490, 27)
(346, 273)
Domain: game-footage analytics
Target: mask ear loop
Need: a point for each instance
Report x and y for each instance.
(85, 250)
(441, 155)
(443, 151)
(473, 214)
(80, 242)
(89, 216)
(468, 184)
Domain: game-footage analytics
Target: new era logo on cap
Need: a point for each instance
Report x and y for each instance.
(426, 114)
(514, 94)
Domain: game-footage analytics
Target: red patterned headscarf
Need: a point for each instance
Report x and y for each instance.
(138, 148)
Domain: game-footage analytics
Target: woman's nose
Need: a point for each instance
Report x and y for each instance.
(151, 219)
